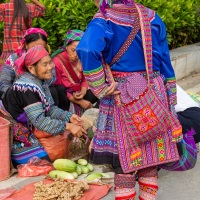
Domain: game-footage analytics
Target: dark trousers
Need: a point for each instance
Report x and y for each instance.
(58, 93)
(190, 118)
(92, 98)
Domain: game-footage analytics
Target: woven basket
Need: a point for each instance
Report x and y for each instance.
(4, 149)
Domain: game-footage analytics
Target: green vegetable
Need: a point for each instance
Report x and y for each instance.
(90, 167)
(65, 165)
(75, 174)
(93, 176)
(105, 175)
(78, 170)
(60, 174)
(82, 162)
(84, 169)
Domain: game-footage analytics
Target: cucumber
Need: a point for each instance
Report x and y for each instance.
(78, 170)
(90, 167)
(84, 169)
(82, 162)
(61, 174)
(75, 174)
(93, 177)
(65, 165)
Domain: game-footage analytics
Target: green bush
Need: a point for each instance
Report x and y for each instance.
(182, 19)
(64, 15)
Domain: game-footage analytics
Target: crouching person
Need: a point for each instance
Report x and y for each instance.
(43, 129)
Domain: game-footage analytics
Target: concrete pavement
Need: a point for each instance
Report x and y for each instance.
(175, 185)
(186, 60)
(172, 185)
(179, 185)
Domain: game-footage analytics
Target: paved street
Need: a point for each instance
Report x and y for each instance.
(191, 83)
(179, 185)
(172, 185)
(176, 185)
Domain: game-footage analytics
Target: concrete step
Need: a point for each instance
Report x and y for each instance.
(190, 83)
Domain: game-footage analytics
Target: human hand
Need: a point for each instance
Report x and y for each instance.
(90, 146)
(112, 89)
(78, 95)
(75, 119)
(85, 104)
(76, 130)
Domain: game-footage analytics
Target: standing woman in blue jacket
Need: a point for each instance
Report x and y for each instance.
(103, 38)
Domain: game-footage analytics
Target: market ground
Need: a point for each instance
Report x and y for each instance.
(179, 185)
(172, 185)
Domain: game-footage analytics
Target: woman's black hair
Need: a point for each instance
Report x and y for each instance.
(34, 37)
(35, 64)
(20, 10)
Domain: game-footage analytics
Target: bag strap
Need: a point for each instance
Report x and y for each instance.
(146, 42)
(69, 68)
(128, 41)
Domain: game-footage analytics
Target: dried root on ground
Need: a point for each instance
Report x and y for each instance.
(60, 190)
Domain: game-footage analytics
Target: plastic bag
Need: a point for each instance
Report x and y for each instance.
(90, 118)
(80, 148)
(34, 167)
(55, 146)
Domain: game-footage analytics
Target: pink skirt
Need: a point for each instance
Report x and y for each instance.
(110, 147)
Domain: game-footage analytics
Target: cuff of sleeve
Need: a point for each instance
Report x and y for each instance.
(63, 129)
(58, 129)
(68, 95)
(84, 84)
(102, 93)
(68, 116)
(172, 92)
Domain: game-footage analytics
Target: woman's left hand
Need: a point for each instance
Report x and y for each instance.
(112, 89)
(90, 146)
(78, 95)
(75, 119)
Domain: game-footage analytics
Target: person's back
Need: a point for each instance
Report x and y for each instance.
(117, 30)
(136, 37)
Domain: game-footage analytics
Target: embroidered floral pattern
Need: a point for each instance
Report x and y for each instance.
(161, 151)
(145, 119)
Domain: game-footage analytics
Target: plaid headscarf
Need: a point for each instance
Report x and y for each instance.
(108, 3)
(30, 57)
(72, 35)
(29, 31)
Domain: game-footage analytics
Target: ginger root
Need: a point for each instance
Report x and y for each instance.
(60, 190)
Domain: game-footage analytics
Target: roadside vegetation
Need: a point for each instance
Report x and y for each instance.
(181, 17)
